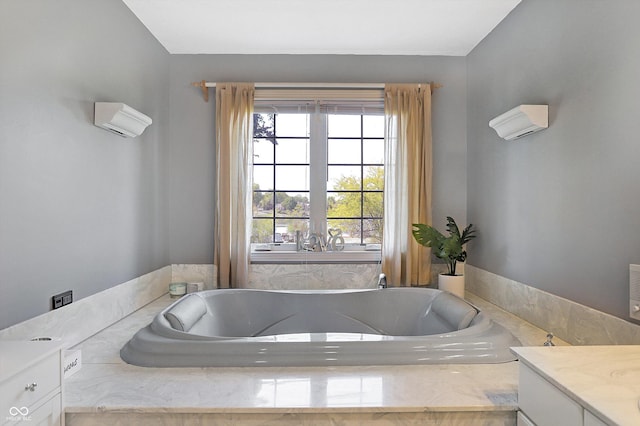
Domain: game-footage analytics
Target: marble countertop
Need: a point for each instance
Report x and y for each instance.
(603, 379)
(107, 384)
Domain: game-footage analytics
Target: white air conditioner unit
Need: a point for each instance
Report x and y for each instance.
(120, 119)
(521, 121)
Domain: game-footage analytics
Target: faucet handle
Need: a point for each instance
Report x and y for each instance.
(549, 342)
(382, 281)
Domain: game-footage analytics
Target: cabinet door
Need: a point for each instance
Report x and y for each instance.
(545, 404)
(524, 420)
(592, 420)
(47, 414)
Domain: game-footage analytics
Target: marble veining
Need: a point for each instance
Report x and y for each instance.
(302, 276)
(296, 419)
(573, 322)
(287, 390)
(320, 276)
(313, 276)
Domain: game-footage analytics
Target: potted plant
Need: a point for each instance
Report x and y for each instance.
(448, 248)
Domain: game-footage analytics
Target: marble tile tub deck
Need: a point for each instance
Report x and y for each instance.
(107, 391)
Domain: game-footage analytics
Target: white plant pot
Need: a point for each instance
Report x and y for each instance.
(452, 283)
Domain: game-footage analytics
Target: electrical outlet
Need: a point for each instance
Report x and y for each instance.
(62, 299)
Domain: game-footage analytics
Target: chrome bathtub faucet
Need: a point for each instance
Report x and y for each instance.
(549, 342)
(382, 281)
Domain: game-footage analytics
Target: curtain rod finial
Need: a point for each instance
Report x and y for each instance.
(203, 86)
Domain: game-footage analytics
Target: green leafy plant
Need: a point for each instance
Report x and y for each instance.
(451, 248)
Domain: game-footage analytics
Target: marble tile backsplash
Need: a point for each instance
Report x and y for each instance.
(83, 318)
(321, 276)
(313, 276)
(571, 321)
(204, 273)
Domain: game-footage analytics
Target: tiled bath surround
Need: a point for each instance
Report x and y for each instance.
(571, 321)
(109, 392)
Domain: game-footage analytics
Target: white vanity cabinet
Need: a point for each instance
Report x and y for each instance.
(31, 383)
(541, 403)
(578, 385)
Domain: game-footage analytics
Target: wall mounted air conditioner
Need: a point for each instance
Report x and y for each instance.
(120, 119)
(521, 121)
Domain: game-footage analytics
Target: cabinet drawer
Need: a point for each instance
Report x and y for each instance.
(45, 374)
(545, 404)
(48, 414)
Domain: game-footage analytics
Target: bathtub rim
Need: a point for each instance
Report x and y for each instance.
(148, 349)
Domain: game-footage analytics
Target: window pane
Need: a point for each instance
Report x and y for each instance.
(292, 178)
(262, 231)
(292, 204)
(344, 126)
(263, 204)
(262, 151)
(295, 125)
(292, 151)
(344, 177)
(372, 206)
(263, 126)
(373, 126)
(373, 178)
(373, 151)
(287, 229)
(344, 204)
(372, 231)
(263, 177)
(344, 151)
(350, 229)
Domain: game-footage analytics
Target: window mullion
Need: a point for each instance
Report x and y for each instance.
(318, 172)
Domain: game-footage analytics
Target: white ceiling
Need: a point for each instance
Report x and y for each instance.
(362, 27)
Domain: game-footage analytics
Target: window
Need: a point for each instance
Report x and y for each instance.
(355, 176)
(318, 171)
(281, 177)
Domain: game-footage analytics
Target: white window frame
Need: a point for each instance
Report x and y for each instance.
(359, 101)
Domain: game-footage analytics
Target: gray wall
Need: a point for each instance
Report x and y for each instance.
(80, 208)
(559, 210)
(192, 154)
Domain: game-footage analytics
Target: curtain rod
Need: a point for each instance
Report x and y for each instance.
(205, 85)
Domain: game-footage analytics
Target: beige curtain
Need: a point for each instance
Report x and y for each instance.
(407, 186)
(234, 155)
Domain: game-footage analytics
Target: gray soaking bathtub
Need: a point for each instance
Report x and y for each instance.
(242, 327)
